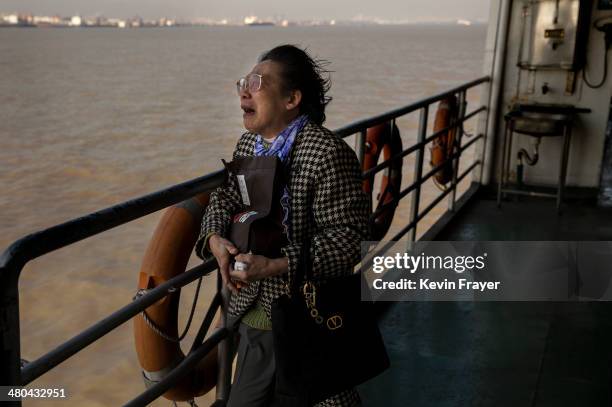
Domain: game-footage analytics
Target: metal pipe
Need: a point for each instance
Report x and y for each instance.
(496, 84)
(425, 177)
(392, 114)
(14, 258)
(502, 164)
(187, 365)
(58, 355)
(431, 173)
(432, 204)
(519, 62)
(207, 322)
(530, 160)
(226, 350)
(10, 352)
(528, 193)
(418, 169)
(509, 151)
(567, 135)
(56, 237)
(367, 263)
(417, 146)
(457, 142)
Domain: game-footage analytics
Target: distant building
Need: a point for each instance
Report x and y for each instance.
(43, 21)
(166, 22)
(76, 21)
(29, 20)
(254, 21)
(250, 20)
(12, 19)
(136, 22)
(116, 22)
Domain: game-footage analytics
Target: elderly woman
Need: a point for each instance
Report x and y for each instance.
(283, 100)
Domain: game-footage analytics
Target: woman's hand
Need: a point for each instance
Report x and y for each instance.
(258, 267)
(223, 250)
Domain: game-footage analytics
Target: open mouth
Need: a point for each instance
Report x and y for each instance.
(248, 110)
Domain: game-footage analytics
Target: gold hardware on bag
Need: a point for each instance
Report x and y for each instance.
(310, 294)
(310, 297)
(334, 322)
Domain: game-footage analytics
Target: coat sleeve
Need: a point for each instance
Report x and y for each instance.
(224, 202)
(341, 213)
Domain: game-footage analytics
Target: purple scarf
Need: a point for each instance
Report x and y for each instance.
(281, 147)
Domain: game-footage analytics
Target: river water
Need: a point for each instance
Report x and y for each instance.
(92, 117)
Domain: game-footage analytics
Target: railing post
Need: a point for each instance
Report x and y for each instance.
(225, 348)
(10, 352)
(418, 172)
(360, 147)
(485, 138)
(458, 128)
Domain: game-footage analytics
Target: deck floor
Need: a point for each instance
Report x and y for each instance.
(502, 354)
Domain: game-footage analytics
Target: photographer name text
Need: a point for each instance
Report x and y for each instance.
(430, 285)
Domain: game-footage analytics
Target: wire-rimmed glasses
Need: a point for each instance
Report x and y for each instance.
(251, 82)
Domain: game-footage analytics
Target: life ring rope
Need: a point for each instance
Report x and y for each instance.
(382, 206)
(157, 329)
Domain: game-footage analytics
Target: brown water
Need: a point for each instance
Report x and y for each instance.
(93, 117)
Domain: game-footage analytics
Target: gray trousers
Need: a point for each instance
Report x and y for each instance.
(254, 377)
(253, 384)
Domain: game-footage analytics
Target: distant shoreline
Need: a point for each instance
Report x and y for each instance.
(253, 26)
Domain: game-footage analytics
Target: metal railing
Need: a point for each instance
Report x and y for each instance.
(35, 245)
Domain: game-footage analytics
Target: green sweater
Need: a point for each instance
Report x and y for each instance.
(256, 318)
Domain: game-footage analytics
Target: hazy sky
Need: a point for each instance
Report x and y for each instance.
(402, 10)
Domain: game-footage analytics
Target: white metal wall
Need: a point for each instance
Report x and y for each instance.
(588, 132)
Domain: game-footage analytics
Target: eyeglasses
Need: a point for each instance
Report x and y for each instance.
(251, 82)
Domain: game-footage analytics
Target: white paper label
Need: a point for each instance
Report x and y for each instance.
(243, 190)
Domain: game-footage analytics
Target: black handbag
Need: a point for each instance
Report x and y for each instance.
(326, 340)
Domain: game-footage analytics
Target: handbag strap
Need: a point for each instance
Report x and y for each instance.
(304, 267)
(301, 272)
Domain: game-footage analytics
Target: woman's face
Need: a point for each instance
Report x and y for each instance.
(270, 109)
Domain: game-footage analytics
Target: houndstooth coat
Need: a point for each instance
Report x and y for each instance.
(324, 181)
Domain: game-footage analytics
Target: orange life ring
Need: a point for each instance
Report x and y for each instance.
(443, 145)
(383, 139)
(167, 256)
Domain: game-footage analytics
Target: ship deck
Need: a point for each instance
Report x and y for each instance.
(502, 354)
